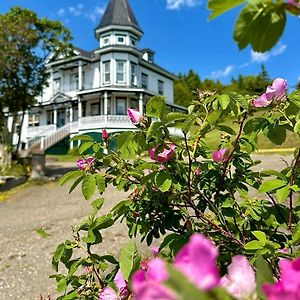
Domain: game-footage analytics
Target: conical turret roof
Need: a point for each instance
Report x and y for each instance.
(119, 12)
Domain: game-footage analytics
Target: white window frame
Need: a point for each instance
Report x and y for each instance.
(106, 40)
(160, 87)
(133, 71)
(145, 80)
(106, 71)
(56, 85)
(121, 36)
(123, 72)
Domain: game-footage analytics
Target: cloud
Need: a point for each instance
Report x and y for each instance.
(178, 4)
(80, 11)
(222, 73)
(257, 57)
(95, 14)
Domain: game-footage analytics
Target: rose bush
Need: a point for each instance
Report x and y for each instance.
(248, 246)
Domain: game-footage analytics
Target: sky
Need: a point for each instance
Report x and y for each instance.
(181, 36)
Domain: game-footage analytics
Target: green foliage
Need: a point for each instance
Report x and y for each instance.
(260, 23)
(170, 201)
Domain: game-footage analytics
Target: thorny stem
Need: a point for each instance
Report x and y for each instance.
(190, 166)
(278, 210)
(292, 181)
(226, 164)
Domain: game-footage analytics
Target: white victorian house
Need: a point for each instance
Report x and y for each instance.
(92, 90)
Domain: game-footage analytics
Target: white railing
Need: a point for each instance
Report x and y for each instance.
(40, 130)
(109, 121)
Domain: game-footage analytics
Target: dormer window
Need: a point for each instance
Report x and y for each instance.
(106, 40)
(133, 42)
(120, 39)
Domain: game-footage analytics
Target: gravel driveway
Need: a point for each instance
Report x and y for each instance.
(25, 258)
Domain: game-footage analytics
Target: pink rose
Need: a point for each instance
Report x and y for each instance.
(134, 116)
(104, 134)
(240, 281)
(274, 93)
(197, 171)
(147, 284)
(85, 164)
(289, 285)
(163, 156)
(221, 155)
(197, 260)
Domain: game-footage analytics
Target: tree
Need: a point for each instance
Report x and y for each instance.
(25, 42)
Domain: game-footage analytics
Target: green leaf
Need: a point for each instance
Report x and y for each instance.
(85, 146)
(261, 236)
(273, 173)
(214, 116)
(82, 137)
(226, 129)
(100, 181)
(156, 107)
(153, 130)
(163, 181)
(219, 7)
(271, 185)
(97, 204)
(128, 259)
(260, 26)
(263, 275)
(69, 176)
(297, 127)
(88, 186)
(74, 185)
(224, 101)
(283, 193)
(59, 252)
(62, 284)
(43, 233)
(180, 284)
(90, 238)
(253, 245)
(296, 235)
(277, 134)
(175, 116)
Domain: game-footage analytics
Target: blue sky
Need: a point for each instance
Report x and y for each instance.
(181, 36)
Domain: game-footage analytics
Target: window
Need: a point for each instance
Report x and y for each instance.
(133, 42)
(120, 39)
(106, 72)
(95, 109)
(56, 85)
(160, 87)
(144, 81)
(50, 117)
(33, 120)
(133, 73)
(106, 40)
(121, 64)
(73, 82)
(121, 106)
(150, 57)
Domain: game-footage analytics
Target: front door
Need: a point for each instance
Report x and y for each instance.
(61, 117)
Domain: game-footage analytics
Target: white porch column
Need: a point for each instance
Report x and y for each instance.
(80, 83)
(55, 116)
(79, 108)
(105, 106)
(71, 114)
(141, 104)
(52, 82)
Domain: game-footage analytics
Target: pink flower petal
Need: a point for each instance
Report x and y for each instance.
(197, 260)
(240, 281)
(134, 116)
(108, 294)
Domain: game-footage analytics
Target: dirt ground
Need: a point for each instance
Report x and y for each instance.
(25, 258)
